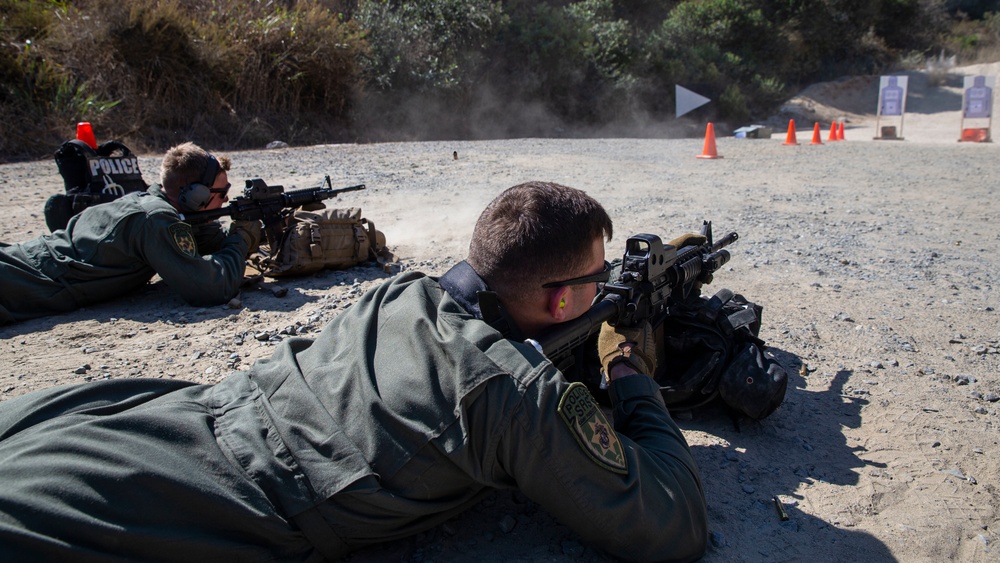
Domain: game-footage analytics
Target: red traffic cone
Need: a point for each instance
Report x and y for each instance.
(86, 134)
(840, 132)
(709, 151)
(816, 140)
(833, 132)
(790, 138)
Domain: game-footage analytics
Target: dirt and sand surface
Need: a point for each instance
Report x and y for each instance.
(876, 263)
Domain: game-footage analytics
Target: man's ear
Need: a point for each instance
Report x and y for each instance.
(557, 303)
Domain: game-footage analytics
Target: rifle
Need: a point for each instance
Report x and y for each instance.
(653, 276)
(270, 205)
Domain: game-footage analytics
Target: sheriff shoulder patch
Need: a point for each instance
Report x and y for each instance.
(591, 428)
(183, 238)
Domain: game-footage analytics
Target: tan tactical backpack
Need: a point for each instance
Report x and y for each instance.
(325, 238)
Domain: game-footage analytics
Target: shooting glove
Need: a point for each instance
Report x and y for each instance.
(689, 239)
(249, 231)
(633, 345)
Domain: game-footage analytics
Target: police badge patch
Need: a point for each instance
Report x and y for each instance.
(591, 428)
(183, 238)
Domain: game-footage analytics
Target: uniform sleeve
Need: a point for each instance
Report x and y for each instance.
(632, 490)
(210, 237)
(170, 248)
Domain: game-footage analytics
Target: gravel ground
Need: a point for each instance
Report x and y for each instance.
(875, 263)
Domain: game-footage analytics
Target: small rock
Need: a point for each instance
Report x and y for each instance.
(507, 524)
(234, 303)
(276, 145)
(748, 488)
(717, 539)
(279, 291)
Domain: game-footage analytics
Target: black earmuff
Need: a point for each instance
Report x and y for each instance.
(195, 196)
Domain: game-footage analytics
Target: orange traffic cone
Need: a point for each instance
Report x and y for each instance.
(840, 133)
(709, 149)
(86, 134)
(833, 132)
(790, 138)
(816, 140)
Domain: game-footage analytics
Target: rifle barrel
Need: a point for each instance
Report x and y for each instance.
(297, 198)
(726, 241)
(285, 200)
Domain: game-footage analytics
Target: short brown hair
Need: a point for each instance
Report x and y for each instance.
(535, 233)
(185, 164)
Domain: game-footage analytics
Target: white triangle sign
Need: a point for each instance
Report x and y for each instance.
(687, 100)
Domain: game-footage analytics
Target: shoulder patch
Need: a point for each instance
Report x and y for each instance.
(591, 428)
(183, 238)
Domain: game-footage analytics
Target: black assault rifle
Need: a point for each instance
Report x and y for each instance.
(270, 205)
(653, 276)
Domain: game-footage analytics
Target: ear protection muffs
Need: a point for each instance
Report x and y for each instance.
(195, 196)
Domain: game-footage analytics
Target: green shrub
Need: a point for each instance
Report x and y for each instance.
(975, 41)
(732, 104)
(422, 45)
(718, 48)
(37, 94)
(235, 74)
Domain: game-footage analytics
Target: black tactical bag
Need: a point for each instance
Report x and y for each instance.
(91, 177)
(708, 348)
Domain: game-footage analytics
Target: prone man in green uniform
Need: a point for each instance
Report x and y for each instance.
(406, 410)
(110, 249)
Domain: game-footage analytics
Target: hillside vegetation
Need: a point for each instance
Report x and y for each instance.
(232, 74)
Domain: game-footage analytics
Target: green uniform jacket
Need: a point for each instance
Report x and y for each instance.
(110, 249)
(405, 411)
